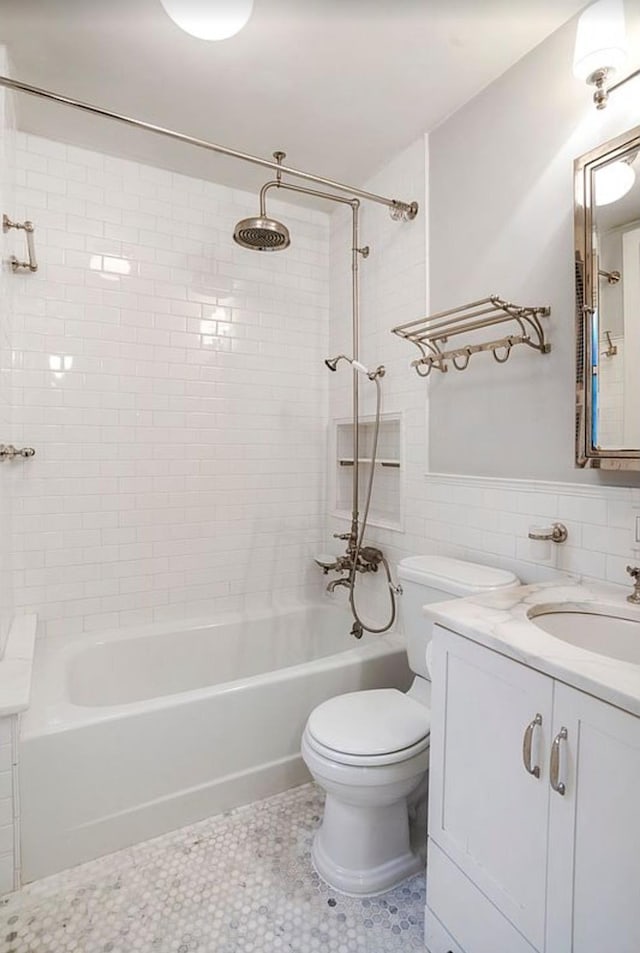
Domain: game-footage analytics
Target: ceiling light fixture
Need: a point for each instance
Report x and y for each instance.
(601, 48)
(612, 181)
(209, 19)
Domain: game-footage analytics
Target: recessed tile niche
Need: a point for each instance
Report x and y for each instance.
(386, 499)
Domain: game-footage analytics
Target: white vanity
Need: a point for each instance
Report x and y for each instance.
(534, 796)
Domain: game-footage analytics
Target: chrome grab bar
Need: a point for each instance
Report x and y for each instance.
(28, 228)
(554, 767)
(526, 746)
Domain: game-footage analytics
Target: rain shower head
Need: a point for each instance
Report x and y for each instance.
(262, 234)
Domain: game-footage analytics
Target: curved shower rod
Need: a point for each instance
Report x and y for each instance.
(399, 209)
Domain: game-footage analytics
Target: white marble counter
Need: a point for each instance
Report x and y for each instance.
(499, 621)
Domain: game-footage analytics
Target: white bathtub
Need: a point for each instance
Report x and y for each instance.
(137, 732)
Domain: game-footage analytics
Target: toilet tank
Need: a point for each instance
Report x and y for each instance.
(428, 579)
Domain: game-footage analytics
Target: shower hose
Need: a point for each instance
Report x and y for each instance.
(359, 624)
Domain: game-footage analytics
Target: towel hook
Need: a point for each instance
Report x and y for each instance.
(425, 362)
(507, 352)
(466, 356)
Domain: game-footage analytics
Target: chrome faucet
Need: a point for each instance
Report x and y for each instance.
(337, 582)
(634, 572)
(365, 559)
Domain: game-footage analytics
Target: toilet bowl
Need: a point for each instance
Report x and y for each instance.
(369, 750)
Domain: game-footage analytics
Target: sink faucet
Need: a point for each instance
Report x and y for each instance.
(634, 572)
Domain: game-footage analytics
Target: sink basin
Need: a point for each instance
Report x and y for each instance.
(613, 631)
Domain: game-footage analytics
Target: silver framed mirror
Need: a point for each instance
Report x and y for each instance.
(607, 276)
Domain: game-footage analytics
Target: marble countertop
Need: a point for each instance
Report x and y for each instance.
(16, 665)
(499, 621)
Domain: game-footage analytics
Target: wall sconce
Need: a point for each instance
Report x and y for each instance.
(601, 48)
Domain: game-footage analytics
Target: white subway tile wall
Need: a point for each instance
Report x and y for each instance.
(173, 386)
(482, 519)
(9, 806)
(7, 285)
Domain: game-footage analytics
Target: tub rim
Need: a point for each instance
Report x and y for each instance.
(52, 711)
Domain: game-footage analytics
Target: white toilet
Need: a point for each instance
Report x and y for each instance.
(369, 750)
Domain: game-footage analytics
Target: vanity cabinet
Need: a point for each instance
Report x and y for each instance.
(534, 811)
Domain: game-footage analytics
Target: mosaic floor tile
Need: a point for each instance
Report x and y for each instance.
(241, 882)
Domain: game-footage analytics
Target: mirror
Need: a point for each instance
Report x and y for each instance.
(607, 231)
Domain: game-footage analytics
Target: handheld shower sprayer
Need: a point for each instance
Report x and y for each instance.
(332, 364)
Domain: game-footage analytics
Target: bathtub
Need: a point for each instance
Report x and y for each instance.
(136, 732)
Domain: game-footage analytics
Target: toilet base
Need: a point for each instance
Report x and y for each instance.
(365, 883)
(362, 850)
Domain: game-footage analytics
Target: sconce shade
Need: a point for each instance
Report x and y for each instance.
(600, 39)
(209, 19)
(612, 181)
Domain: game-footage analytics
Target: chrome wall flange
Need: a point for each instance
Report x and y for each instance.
(403, 211)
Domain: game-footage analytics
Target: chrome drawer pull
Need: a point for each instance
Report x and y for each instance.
(526, 746)
(554, 767)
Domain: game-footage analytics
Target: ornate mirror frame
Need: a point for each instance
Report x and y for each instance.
(586, 282)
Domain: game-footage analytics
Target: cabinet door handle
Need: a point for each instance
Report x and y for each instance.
(554, 767)
(526, 746)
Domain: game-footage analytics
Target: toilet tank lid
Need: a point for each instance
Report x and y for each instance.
(455, 576)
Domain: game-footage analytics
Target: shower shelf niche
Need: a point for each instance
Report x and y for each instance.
(386, 499)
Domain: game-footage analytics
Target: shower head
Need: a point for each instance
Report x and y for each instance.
(332, 364)
(261, 234)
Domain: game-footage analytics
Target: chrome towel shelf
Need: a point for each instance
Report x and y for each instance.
(28, 228)
(430, 333)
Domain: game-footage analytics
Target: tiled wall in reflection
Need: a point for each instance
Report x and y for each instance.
(173, 386)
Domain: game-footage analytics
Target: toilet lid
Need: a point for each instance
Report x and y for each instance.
(370, 723)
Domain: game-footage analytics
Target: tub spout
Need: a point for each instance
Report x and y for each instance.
(337, 582)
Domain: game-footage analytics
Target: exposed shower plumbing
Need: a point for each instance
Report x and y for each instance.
(262, 233)
(332, 364)
(359, 558)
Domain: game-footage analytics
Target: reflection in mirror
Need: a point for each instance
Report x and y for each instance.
(608, 289)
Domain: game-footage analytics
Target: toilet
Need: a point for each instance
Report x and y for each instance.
(369, 750)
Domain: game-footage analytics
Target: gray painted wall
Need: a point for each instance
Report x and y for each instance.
(501, 220)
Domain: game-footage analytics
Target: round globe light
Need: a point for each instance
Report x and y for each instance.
(613, 181)
(209, 19)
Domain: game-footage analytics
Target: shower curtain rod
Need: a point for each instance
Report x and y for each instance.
(407, 210)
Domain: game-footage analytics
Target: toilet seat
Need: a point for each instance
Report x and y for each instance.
(368, 728)
(365, 761)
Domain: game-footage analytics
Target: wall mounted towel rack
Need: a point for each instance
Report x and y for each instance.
(430, 333)
(28, 228)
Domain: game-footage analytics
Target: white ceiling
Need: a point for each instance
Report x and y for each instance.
(340, 85)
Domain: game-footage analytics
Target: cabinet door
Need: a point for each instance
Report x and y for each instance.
(486, 812)
(594, 838)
